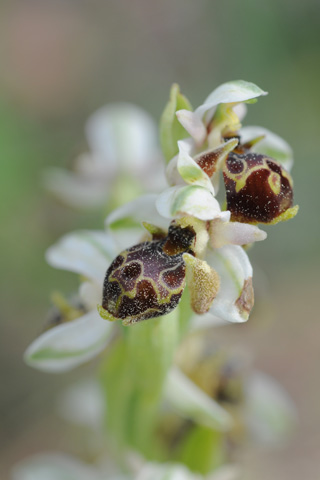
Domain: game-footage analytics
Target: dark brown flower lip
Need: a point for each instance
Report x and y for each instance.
(258, 188)
(148, 279)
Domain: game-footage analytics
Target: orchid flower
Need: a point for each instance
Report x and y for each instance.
(123, 154)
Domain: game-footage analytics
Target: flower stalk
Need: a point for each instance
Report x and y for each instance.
(133, 375)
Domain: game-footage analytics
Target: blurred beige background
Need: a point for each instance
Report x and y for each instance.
(60, 60)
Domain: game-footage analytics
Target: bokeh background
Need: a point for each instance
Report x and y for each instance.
(60, 60)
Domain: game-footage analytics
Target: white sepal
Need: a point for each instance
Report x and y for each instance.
(192, 402)
(223, 232)
(86, 252)
(69, 344)
(192, 200)
(230, 92)
(235, 271)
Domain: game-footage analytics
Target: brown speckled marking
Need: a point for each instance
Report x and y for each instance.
(246, 300)
(258, 189)
(148, 279)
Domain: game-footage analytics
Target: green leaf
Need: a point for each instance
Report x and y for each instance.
(170, 129)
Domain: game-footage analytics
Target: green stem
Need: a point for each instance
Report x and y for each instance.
(133, 377)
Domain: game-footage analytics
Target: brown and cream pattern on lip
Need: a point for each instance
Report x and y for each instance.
(258, 188)
(148, 279)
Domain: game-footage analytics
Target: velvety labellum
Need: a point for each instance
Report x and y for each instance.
(148, 279)
(258, 188)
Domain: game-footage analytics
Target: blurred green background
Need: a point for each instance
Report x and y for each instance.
(60, 60)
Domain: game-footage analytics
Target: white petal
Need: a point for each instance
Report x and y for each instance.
(270, 412)
(90, 294)
(191, 200)
(224, 232)
(193, 124)
(235, 271)
(272, 145)
(190, 170)
(166, 471)
(83, 403)
(193, 403)
(54, 466)
(93, 166)
(125, 223)
(123, 134)
(207, 320)
(230, 92)
(86, 252)
(75, 190)
(69, 344)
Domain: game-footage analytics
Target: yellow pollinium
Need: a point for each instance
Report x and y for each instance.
(203, 283)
